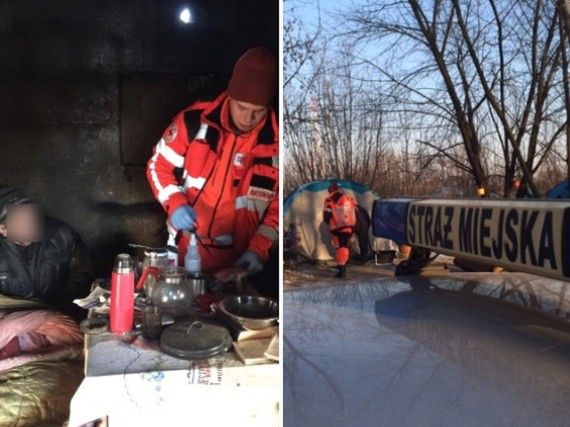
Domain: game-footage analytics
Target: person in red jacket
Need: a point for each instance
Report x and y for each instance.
(215, 170)
(340, 216)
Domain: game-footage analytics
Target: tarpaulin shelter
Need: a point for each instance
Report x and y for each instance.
(560, 191)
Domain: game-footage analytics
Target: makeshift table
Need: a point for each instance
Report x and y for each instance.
(132, 383)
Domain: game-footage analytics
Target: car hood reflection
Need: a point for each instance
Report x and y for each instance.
(463, 351)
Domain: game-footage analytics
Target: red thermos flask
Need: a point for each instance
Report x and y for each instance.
(122, 295)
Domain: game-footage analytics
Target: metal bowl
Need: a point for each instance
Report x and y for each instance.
(251, 312)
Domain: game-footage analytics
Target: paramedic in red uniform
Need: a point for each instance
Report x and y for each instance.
(215, 170)
(340, 216)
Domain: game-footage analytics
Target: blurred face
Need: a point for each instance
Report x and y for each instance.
(246, 116)
(24, 224)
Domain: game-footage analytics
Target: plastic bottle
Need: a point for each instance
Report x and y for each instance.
(172, 251)
(121, 316)
(192, 261)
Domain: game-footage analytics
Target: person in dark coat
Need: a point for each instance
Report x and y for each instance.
(361, 230)
(41, 258)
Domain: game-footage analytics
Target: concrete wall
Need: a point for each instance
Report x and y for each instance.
(60, 63)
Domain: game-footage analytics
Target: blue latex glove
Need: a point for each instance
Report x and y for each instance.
(250, 262)
(183, 218)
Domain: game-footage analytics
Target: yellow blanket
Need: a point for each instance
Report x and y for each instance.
(37, 393)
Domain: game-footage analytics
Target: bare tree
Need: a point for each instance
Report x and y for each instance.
(338, 132)
(424, 97)
(493, 70)
(564, 7)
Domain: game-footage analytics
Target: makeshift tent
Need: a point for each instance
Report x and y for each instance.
(560, 191)
(305, 230)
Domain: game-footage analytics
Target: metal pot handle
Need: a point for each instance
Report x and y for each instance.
(194, 324)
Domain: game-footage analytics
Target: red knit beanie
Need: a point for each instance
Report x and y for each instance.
(254, 79)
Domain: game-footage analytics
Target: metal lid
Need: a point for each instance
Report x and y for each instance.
(124, 263)
(195, 339)
(157, 253)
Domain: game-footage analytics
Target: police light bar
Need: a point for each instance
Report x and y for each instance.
(521, 235)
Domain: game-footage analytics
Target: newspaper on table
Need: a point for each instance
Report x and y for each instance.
(98, 296)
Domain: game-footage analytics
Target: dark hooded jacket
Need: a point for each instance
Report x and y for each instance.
(56, 270)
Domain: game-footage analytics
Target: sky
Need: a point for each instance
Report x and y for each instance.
(307, 11)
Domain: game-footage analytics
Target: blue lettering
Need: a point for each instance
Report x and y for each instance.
(485, 231)
(527, 225)
(428, 232)
(546, 249)
(511, 249)
(497, 244)
(448, 244)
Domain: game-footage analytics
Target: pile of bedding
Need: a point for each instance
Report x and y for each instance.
(41, 363)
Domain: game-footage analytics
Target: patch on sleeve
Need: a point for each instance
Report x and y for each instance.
(262, 194)
(171, 133)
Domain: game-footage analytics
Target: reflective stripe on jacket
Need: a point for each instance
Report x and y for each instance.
(231, 180)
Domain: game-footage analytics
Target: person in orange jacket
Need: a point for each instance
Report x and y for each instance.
(215, 170)
(340, 216)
